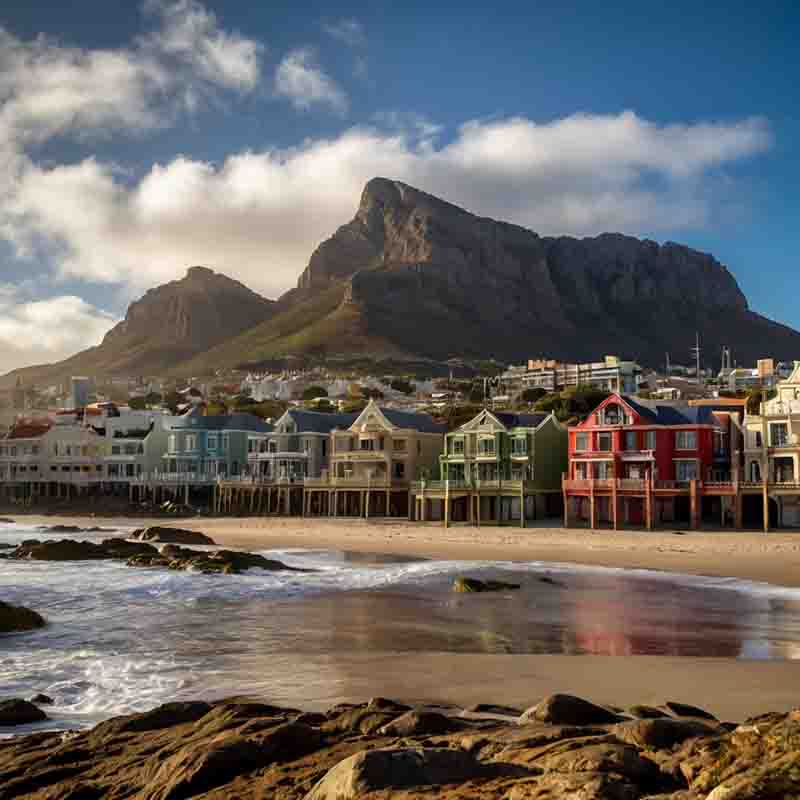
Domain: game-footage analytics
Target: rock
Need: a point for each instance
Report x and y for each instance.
(422, 723)
(470, 585)
(359, 720)
(62, 550)
(661, 733)
(15, 619)
(387, 706)
(552, 581)
(71, 529)
(373, 770)
(122, 548)
(165, 535)
(7, 521)
(228, 562)
(42, 700)
(491, 708)
(19, 712)
(646, 712)
(565, 709)
(683, 710)
(574, 786)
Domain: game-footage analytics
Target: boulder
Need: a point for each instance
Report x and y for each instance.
(166, 535)
(574, 786)
(495, 710)
(422, 723)
(15, 619)
(42, 700)
(471, 585)
(605, 757)
(566, 709)
(61, 550)
(662, 733)
(646, 712)
(228, 562)
(387, 706)
(19, 712)
(395, 769)
(122, 548)
(684, 710)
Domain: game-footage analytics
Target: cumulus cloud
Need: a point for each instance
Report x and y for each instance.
(348, 31)
(301, 79)
(42, 331)
(258, 215)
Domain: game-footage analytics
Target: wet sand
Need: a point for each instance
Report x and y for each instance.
(728, 687)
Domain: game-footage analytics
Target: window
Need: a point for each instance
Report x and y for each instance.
(581, 441)
(272, 446)
(778, 434)
(457, 447)
(191, 442)
(604, 442)
(604, 470)
(306, 445)
(650, 440)
(686, 470)
(631, 442)
(486, 446)
(398, 469)
(519, 446)
(686, 440)
(613, 415)
(115, 450)
(225, 442)
(399, 445)
(212, 441)
(324, 448)
(173, 443)
(759, 440)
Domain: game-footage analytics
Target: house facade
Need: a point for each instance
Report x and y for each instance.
(372, 463)
(643, 463)
(772, 453)
(499, 466)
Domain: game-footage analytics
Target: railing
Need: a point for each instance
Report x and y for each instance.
(177, 477)
(355, 483)
(637, 455)
(285, 454)
(263, 480)
(511, 484)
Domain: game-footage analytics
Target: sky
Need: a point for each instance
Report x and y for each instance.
(140, 138)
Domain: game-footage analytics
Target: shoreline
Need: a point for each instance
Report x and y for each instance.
(772, 558)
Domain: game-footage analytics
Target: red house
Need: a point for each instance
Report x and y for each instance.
(645, 462)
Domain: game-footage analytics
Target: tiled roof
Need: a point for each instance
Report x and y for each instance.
(29, 430)
(319, 421)
(222, 422)
(410, 420)
(511, 420)
(661, 412)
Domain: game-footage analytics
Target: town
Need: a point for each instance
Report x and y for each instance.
(605, 444)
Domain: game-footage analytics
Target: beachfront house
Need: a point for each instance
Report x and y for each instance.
(643, 462)
(772, 455)
(372, 462)
(135, 443)
(498, 467)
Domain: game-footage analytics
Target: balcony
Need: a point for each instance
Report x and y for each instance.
(356, 483)
(637, 455)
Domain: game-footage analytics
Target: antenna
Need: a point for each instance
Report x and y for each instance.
(696, 353)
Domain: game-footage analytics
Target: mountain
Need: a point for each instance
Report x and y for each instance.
(165, 328)
(413, 274)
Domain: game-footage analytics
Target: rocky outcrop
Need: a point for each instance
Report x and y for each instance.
(248, 750)
(19, 712)
(14, 619)
(163, 535)
(565, 709)
(473, 585)
(72, 550)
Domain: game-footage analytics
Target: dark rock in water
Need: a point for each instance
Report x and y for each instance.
(14, 619)
(426, 723)
(374, 770)
(42, 700)
(490, 708)
(6, 546)
(7, 521)
(552, 581)
(122, 548)
(683, 710)
(228, 562)
(62, 550)
(473, 585)
(19, 712)
(72, 529)
(647, 712)
(566, 709)
(165, 535)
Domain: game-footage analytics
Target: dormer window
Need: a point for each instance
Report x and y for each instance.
(613, 414)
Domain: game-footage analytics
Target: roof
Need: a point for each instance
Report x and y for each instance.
(720, 403)
(319, 421)
(29, 430)
(223, 422)
(408, 419)
(661, 412)
(511, 420)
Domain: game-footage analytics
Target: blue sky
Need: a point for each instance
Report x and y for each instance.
(138, 139)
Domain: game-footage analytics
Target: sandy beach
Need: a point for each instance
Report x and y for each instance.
(770, 557)
(730, 688)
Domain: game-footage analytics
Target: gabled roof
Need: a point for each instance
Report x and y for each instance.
(660, 412)
(319, 421)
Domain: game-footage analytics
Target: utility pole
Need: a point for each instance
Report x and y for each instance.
(696, 353)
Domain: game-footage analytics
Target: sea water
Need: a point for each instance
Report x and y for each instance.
(122, 640)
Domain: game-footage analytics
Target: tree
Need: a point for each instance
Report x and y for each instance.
(313, 392)
(137, 403)
(532, 395)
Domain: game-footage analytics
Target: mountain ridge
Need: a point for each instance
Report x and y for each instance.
(415, 276)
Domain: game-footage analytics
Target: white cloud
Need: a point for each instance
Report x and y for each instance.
(259, 215)
(300, 78)
(43, 331)
(349, 31)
